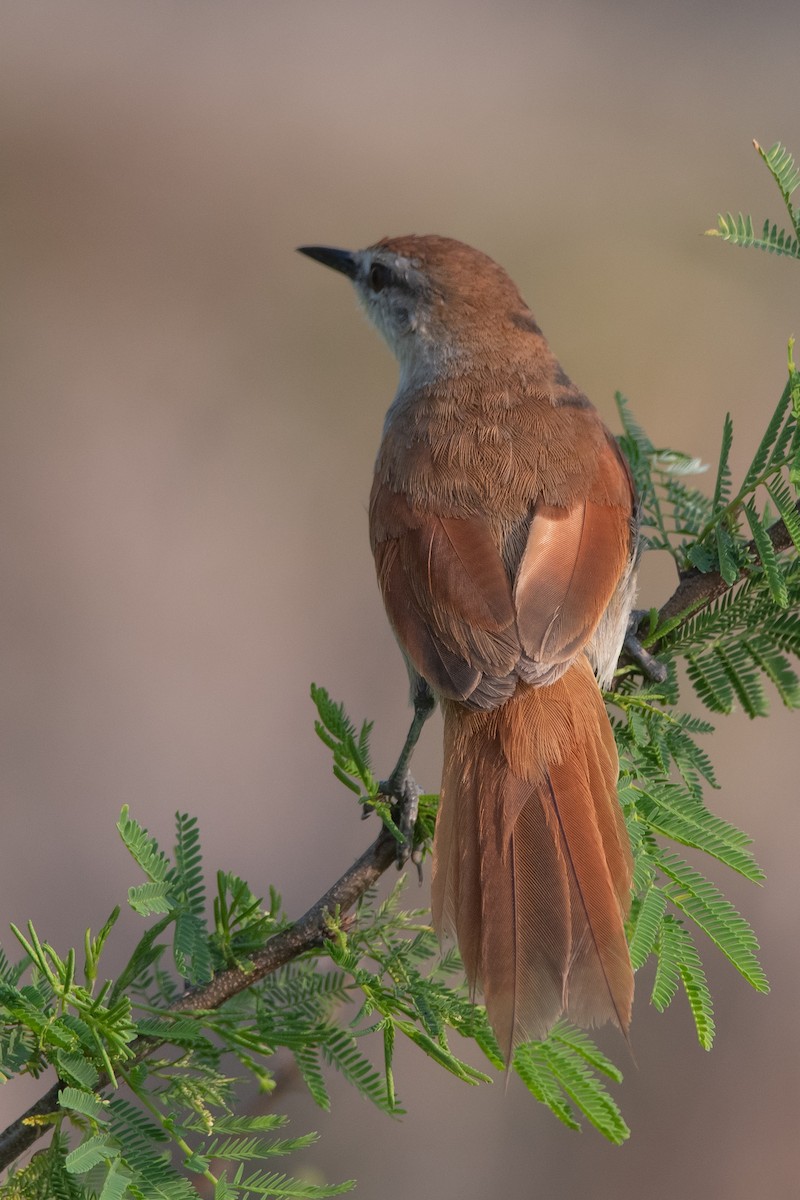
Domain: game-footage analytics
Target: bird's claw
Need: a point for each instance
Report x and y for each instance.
(404, 793)
(647, 662)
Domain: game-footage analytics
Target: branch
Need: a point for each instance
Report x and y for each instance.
(697, 589)
(305, 934)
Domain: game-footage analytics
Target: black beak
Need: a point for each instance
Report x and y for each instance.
(339, 260)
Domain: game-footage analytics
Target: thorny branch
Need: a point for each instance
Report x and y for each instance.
(694, 591)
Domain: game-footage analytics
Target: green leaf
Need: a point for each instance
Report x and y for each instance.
(701, 557)
(768, 442)
(308, 1063)
(726, 553)
(646, 926)
(769, 558)
(786, 506)
(697, 993)
(115, 1184)
(233, 1123)
(9, 974)
(678, 960)
(332, 716)
(140, 1140)
(744, 678)
(739, 231)
(736, 229)
(568, 1035)
(777, 669)
(339, 1048)
(152, 897)
(143, 847)
(278, 1187)
(191, 948)
(87, 1103)
(128, 1122)
(700, 900)
(641, 446)
(19, 1051)
(785, 632)
(534, 1070)
(671, 810)
(245, 1149)
(344, 778)
(146, 953)
(91, 1151)
(783, 169)
(77, 1069)
(794, 380)
(669, 949)
(178, 1031)
(350, 750)
(722, 486)
(710, 681)
(586, 1091)
(189, 866)
(94, 946)
(442, 1054)
(155, 1179)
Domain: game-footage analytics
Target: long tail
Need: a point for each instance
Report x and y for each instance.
(531, 863)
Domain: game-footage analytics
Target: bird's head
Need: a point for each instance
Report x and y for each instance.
(438, 302)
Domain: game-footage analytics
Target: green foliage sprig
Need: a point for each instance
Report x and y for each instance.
(733, 649)
(739, 229)
(737, 642)
(131, 1032)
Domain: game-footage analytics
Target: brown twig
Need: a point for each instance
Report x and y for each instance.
(306, 933)
(697, 589)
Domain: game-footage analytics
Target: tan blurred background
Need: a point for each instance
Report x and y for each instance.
(189, 417)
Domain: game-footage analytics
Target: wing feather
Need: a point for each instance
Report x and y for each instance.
(446, 592)
(571, 565)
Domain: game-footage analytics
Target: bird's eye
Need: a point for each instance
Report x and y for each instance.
(379, 277)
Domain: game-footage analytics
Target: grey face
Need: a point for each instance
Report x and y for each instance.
(394, 292)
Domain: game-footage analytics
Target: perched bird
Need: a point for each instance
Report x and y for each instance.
(503, 525)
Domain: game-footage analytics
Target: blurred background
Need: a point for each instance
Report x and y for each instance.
(189, 417)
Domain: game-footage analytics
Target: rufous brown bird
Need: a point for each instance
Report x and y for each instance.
(503, 524)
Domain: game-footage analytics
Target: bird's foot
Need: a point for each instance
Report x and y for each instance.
(403, 791)
(647, 662)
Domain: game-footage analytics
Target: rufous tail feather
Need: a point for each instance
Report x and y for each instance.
(531, 863)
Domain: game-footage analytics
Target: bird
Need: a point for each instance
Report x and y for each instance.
(503, 523)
